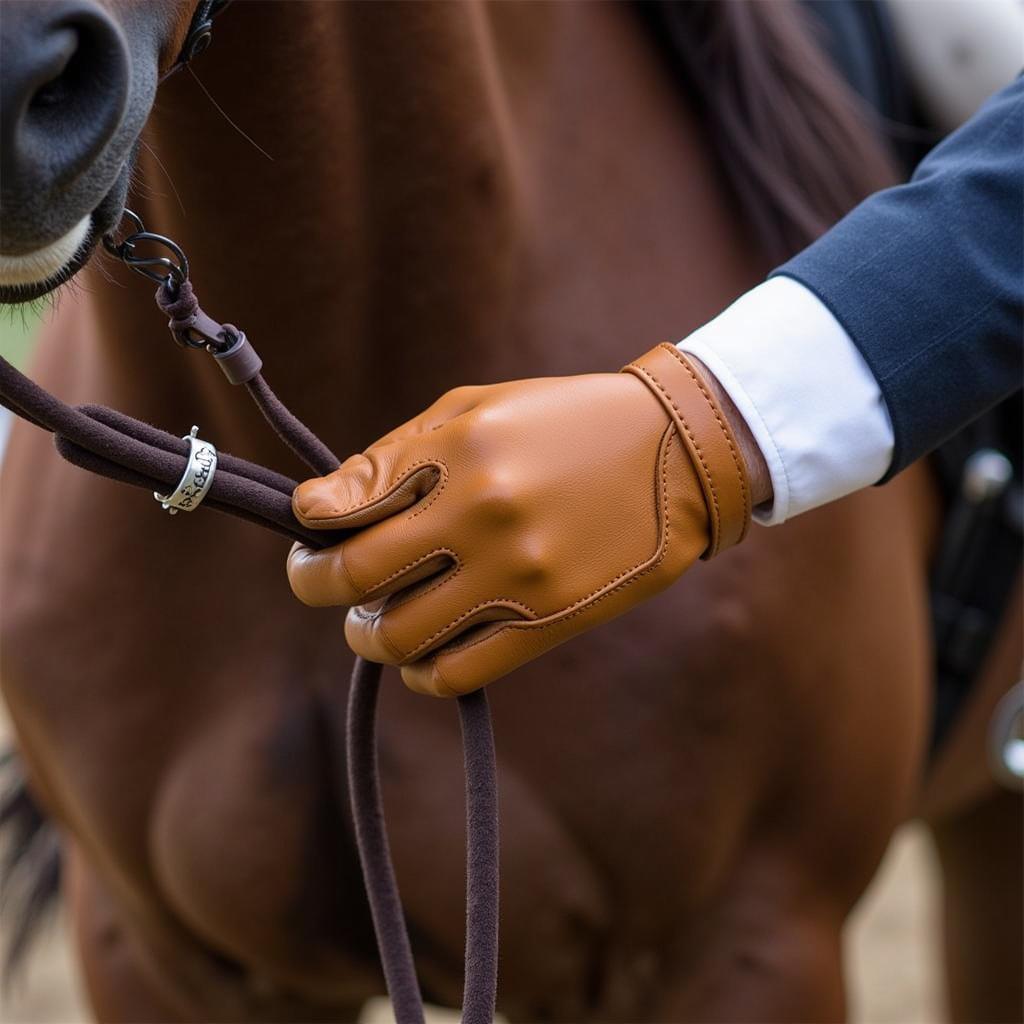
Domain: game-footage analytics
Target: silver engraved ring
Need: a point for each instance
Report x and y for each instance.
(196, 480)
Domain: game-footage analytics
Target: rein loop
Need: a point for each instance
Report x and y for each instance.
(181, 472)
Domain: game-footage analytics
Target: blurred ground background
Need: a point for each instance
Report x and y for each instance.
(892, 952)
(892, 941)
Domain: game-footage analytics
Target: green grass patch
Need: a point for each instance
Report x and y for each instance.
(18, 327)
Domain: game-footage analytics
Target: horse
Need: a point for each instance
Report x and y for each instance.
(406, 198)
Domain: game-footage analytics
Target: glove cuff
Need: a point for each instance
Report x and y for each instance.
(707, 437)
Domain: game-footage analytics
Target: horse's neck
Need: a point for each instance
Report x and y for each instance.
(435, 173)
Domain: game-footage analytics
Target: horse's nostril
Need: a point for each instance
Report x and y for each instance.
(60, 88)
(84, 69)
(63, 89)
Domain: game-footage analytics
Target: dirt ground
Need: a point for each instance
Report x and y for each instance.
(891, 951)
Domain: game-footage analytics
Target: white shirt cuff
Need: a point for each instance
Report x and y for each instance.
(809, 399)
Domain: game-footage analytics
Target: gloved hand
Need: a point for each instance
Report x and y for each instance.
(506, 519)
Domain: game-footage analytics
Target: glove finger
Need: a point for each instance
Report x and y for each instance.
(410, 626)
(488, 652)
(375, 562)
(465, 667)
(367, 488)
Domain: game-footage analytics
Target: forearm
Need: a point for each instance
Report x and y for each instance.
(889, 333)
(811, 412)
(927, 279)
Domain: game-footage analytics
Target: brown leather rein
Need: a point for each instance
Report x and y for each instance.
(184, 472)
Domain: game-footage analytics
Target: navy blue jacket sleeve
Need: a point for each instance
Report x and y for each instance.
(927, 278)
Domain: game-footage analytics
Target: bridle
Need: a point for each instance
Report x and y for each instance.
(200, 32)
(186, 472)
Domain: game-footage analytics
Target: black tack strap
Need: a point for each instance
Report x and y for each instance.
(200, 33)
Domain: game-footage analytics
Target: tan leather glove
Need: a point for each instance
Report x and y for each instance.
(509, 518)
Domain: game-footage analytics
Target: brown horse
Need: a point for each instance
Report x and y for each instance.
(694, 797)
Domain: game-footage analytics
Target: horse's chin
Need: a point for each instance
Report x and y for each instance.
(30, 275)
(25, 277)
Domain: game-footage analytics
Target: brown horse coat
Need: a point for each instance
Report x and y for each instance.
(692, 797)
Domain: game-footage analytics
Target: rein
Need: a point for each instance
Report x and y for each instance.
(184, 472)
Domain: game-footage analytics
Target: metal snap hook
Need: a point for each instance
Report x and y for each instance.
(176, 272)
(114, 247)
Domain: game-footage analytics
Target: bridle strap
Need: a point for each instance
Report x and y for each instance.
(114, 445)
(200, 33)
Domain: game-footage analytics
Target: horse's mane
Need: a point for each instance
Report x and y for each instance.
(795, 143)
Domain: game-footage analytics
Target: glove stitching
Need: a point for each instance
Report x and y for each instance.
(716, 516)
(438, 488)
(359, 506)
(725, 432)
(410, 565)
(574, 609)
(490, 602)
(416, 595)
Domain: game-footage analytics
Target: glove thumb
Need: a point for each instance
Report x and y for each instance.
(365, 489)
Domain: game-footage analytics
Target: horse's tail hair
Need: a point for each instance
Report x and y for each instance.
(30, 864)
(797, 145)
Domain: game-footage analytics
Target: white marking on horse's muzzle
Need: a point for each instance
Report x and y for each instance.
(35, 268)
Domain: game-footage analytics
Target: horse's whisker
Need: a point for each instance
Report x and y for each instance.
(245, 135)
